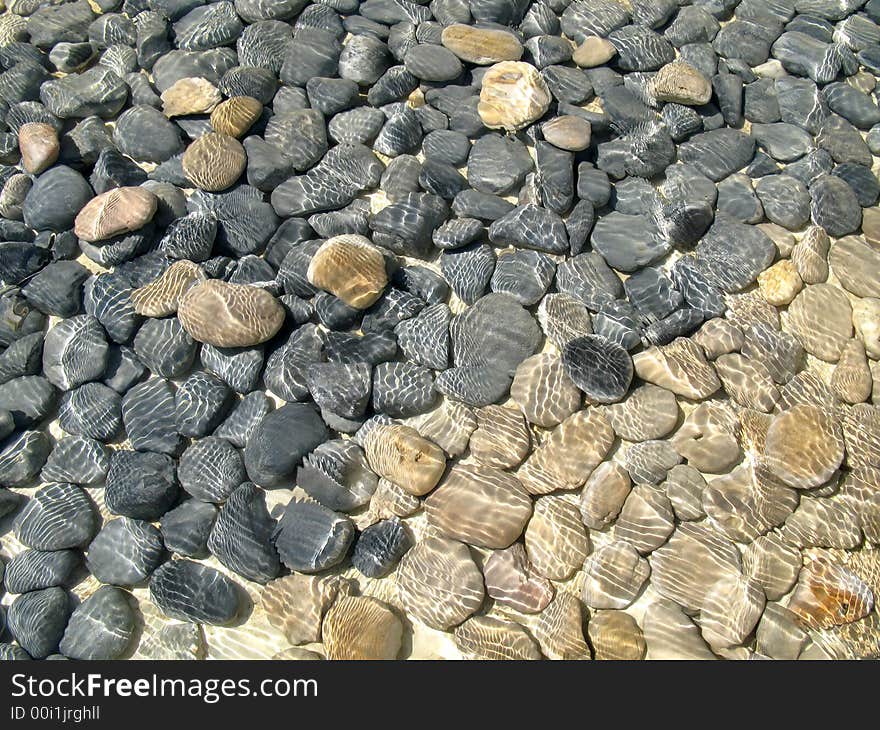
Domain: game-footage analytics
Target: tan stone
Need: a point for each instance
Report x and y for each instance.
(480, 506)
(871, 225)
(780, 283)
(804, 446)
(191, 95)
(398, 453)
(513, 95)
(214, 161)
(361, 628)
(680, 367)
(681, 83)
(230, 315)
(482, 46)
(851, 380)
(236, 115)
(594, 51)
(351, 268)
(567, 132)
(821, 318)
(161, 296)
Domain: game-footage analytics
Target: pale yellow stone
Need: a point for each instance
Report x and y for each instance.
(191, 95)
(780, 283)
(513, 96)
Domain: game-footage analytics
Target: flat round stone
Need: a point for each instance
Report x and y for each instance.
(214, 161)
(804, 447)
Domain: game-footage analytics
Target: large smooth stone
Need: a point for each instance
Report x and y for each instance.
(189, 591)
(469, 491)
(101, 627)
(230, 315)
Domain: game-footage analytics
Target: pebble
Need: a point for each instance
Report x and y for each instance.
(567, 456)
(37, 620)
(310, 538)
(468, 491)
(827, 594)
(186, 528)
(481, 46)
(295, 605)
(510, 580)
(230, 315)
(34, 570)
(602, 369)
(101, 627)
(361, 628)
(555, 539)
(681, 83)
(615, 575)
(241, 536)
(140, 485)
(125, 552)
(189, 591)
(149, 417)
(615, 636)
(821, 318)
(543, 391)
(604, 494)
(593, 51)
(115, 212)
(161, 297)
(487, 638)
(214, 161)
(380, 547)
(512, 95)
(57, 517)
(439, 583)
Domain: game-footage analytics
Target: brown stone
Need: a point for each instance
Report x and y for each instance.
(480, 506)
(214, 161)
(117, 211)
(230, 315)
(236, 115)
(351, 268)
(39, 146)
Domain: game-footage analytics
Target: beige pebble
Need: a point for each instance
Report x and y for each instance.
(780, 283)
(513, 95)
(681, 83)
(851, 380)
(482, 46)
(191, 95)
(594, 51)
(866, 320)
